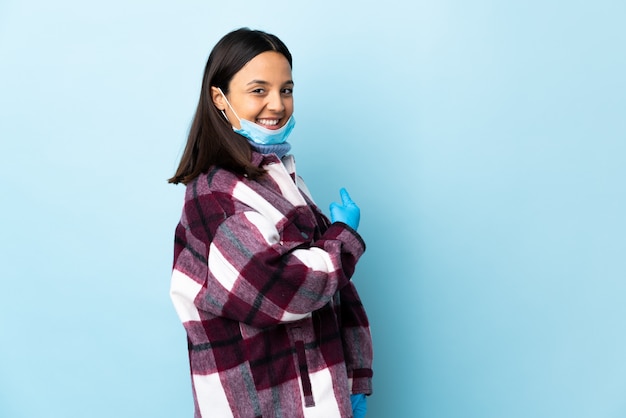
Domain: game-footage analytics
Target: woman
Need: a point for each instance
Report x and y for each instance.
(261, 278)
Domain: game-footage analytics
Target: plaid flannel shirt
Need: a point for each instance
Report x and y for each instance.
(261, 283)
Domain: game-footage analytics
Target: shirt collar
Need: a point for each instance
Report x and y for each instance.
(260, 160)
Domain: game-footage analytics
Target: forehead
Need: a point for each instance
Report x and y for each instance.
(270, 67)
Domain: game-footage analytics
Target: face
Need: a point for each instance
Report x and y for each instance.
(260, 92)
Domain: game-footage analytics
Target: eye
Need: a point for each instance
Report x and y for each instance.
(288, 91)
(258, 91)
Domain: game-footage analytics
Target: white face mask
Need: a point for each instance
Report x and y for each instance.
(257, 133)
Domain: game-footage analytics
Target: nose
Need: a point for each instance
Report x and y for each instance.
(275, 102)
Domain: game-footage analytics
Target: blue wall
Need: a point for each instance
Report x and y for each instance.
(484, 142)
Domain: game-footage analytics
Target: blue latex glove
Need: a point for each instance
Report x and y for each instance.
(348, 212)
(359, 405)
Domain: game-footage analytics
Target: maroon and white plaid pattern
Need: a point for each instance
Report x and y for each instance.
(261, 282)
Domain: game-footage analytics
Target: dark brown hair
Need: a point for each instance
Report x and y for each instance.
(212, 140)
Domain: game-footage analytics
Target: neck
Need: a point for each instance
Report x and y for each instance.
(279, 149)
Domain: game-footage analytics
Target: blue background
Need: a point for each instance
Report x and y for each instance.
(485, 142)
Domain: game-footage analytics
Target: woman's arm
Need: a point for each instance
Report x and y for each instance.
(357, 340)
(241, 266)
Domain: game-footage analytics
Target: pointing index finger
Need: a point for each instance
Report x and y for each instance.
(345, 197)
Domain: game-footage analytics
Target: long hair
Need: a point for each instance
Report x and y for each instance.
(211, 140)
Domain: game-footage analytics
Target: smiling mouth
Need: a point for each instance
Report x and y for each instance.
(268, 123)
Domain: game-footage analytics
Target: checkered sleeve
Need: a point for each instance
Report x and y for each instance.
(253, 267)
(357, 340)
(259, 276)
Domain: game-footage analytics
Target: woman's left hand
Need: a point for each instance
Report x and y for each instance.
(359, 405)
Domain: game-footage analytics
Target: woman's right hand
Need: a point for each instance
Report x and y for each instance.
(348, 212)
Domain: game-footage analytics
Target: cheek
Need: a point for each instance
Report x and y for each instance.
(289, 106)
(249, 110)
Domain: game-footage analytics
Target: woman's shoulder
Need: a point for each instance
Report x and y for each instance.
(216, 180)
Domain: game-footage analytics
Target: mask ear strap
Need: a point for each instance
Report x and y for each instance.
(228, 103)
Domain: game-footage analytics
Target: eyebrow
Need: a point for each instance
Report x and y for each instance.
(262, 82)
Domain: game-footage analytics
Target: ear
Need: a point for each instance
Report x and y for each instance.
(218, 98)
